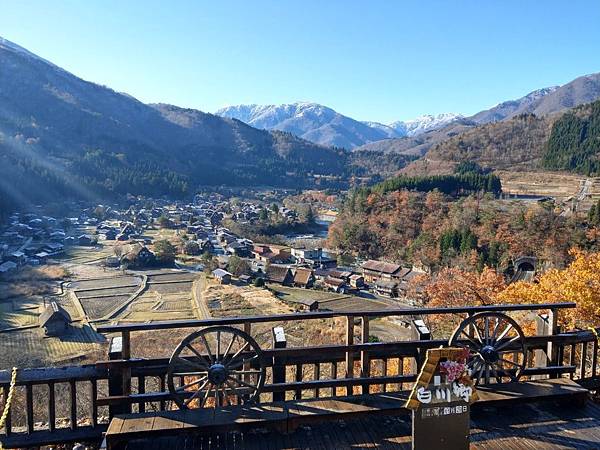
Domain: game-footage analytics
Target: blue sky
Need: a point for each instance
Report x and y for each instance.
(372, 60)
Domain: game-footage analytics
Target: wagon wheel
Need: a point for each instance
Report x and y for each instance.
(496, 346)
(219, 365)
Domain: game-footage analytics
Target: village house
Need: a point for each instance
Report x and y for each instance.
(314, 257)
(7, 267)
(57, 236)
(341, 274)
(222, 276)
(375, 270)
(137, 256)
(19, 258)
(112, 261)
(304, 278)
(239, 248)
(279, 274)
(85, 240)
(246, 279)
(110, 234)
(55, 320)
(277, 254)
(54, 248)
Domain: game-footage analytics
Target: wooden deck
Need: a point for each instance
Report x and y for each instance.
(543, 426)
(227, 427)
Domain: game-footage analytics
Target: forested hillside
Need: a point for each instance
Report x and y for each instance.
(574, 142)
(515, 143)
(63, 137)
(436, 230)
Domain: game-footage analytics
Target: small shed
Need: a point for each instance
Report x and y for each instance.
(55, 320)
(222, 276)
(336, 285)
(246, 279)
(386, 288)
(357, 281)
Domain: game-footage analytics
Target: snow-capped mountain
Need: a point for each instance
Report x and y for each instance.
(323, 125)
(311, 121)
(424, 123)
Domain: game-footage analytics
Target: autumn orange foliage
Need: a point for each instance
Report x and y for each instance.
(579, 282)
(458, 287)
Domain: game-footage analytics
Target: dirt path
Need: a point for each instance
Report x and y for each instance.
(200, 307)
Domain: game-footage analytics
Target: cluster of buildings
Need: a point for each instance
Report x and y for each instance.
(30, 239)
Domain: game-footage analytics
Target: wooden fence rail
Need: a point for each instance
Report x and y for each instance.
(125, 383)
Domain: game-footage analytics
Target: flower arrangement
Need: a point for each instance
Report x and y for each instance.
(456, 369)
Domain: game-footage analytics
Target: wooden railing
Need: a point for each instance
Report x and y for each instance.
(89, 395)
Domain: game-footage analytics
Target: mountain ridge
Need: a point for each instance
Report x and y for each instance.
(323, 125)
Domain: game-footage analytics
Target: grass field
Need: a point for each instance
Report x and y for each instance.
(540, 183)
(103, 283)
(24, 311)
(11, 317)
(300, 295)
(30, 348)
(84, 255)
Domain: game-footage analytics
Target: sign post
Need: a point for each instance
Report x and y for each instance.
(440, 401)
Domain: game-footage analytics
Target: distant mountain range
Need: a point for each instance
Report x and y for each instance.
(323, 125)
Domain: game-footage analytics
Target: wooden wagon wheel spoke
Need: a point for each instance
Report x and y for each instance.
(234, 389)
(205, 342)
(196, 394)
(243, 383)
(495, 332)
(209, 372)
(464, 332)
(204, 399)
(504, 333)
(191, 363)
(477, 332)
(193, 383)
(228, 349)
(488, 346)
(241, 362)
(230, 361)
(507, 343)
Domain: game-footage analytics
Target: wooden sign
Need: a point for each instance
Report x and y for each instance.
(440, 401)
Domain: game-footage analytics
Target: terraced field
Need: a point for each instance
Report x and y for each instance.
(170, 288)
(171, 276)
(98, 307)
(170, 300)
(106, 292)
(108, 282)
(100, 296)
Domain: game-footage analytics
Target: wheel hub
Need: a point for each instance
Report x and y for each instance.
(217, 374)
(489, 353)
